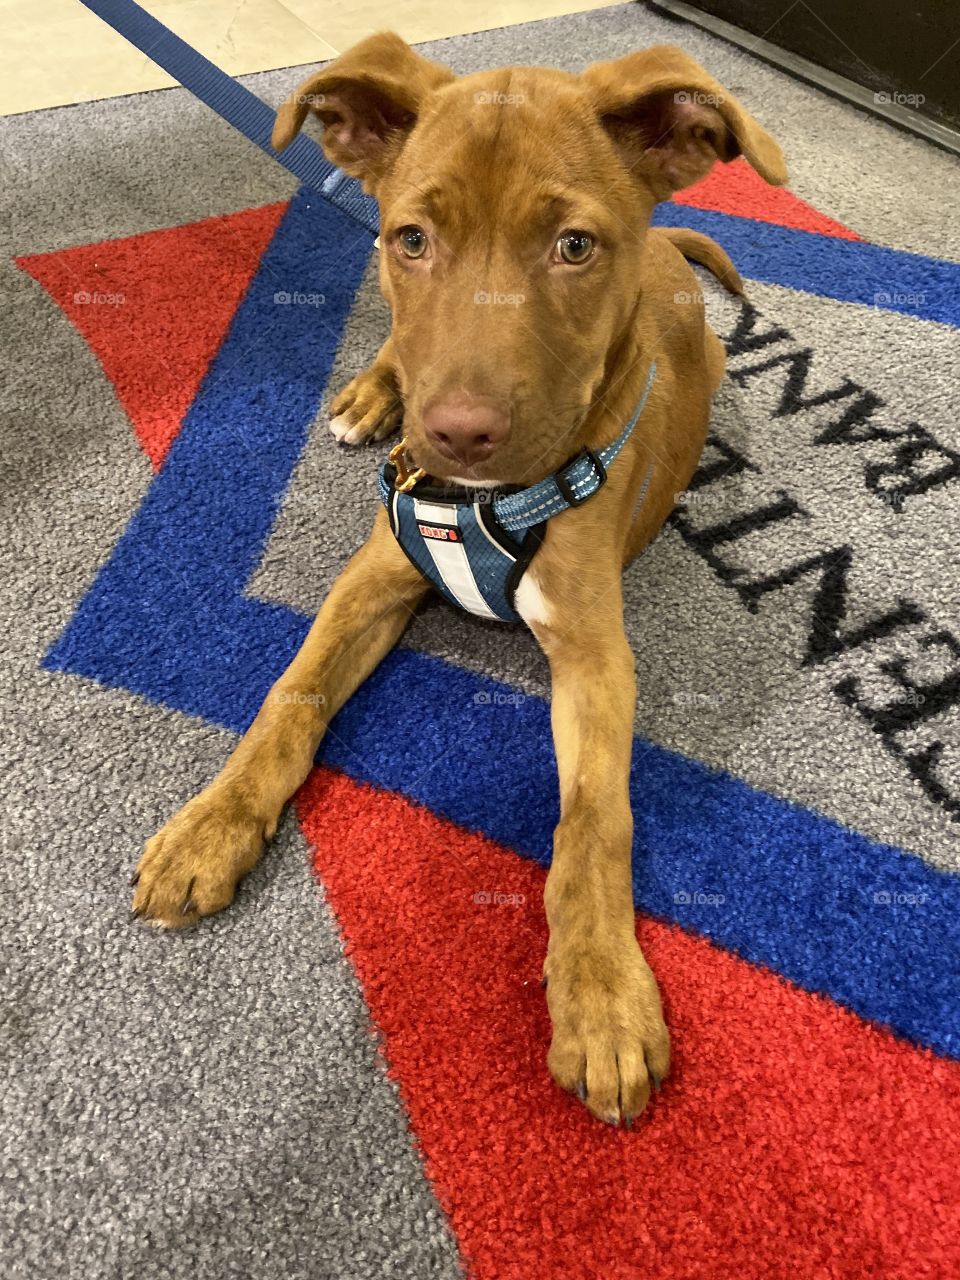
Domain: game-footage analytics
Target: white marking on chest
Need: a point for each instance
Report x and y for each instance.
(474, 484)
(530, 602)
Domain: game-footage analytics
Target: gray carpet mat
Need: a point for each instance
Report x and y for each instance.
(214, 1104)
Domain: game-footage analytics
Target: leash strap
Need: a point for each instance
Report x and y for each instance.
(573, 484)
(238, 106)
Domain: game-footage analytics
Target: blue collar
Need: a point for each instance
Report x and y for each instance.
(570, 486)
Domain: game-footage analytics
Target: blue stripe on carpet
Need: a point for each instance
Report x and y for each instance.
(167, 614)
(848, 270)
(167, 618)
(873, 927)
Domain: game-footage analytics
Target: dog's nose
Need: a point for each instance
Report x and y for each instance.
(465, 428)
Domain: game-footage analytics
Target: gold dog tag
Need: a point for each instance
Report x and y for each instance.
(405, 479)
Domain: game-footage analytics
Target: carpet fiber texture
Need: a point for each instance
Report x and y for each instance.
(343, 1076)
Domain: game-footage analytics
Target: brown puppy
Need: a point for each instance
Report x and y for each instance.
(533, 187)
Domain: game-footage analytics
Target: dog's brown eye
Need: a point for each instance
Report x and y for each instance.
(575, 247)
(412, 241)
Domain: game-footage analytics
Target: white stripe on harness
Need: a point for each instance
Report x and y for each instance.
(450, 559)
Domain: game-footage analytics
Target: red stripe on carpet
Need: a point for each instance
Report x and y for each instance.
(792, 1140)
(739, 190)
(155, 308)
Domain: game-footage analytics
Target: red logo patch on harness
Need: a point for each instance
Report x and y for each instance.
(441, 532)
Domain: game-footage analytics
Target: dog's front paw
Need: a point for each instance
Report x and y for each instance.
(610, 1043)
(192, 866)
(369, 408)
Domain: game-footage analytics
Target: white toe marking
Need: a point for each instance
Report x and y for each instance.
(340, 426)
(530, 602)
(355, 436)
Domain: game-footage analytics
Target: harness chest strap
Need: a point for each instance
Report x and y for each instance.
(475, 547)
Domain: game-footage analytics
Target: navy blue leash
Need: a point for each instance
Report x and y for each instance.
(238, 106)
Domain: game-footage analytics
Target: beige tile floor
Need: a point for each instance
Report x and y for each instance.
(55, 52)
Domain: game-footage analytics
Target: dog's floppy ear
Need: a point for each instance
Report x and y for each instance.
(671, 121)
(368, 100)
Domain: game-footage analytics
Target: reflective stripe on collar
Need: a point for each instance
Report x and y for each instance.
(580, 477)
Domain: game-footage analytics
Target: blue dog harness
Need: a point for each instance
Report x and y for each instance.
(475, 545)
